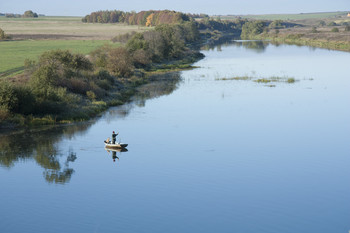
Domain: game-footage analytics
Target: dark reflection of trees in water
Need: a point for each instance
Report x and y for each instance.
(161, 84)
(164, 84)
(258, 46)
(41, 145)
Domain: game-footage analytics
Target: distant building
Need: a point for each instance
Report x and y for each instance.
(349, 14)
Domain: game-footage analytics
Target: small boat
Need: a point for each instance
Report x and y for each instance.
(110, 145)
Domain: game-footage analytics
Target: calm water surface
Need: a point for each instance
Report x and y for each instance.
(206, 153)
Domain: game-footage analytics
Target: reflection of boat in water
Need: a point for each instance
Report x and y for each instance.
(114, 151)
(108, 149)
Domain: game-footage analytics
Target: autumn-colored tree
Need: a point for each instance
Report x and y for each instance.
(149, 20)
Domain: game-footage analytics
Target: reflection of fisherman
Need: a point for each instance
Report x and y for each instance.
(114, 156)
(114, 137)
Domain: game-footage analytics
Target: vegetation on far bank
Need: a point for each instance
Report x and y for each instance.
(324, 34)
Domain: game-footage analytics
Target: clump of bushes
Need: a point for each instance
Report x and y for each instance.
(30, 14)
(3, 35)
(253, 28)
(335, 30)
(123, 38)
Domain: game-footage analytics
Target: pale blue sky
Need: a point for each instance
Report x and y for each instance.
(83, 7)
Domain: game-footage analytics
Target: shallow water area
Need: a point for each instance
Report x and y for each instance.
(207, 153)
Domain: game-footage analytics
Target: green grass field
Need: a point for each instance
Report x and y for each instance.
(13, 53)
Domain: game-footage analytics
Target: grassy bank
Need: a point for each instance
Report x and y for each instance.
(325, 39)
(320, 43)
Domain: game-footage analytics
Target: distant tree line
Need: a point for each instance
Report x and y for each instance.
(142, 18)
(198, 16)
(255, 27)
(220, 25)
(27, 14)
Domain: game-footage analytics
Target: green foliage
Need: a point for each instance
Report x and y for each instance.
(137, 42)
(91, 95)
(120, 62)
(65, 60)
(44, 77)
(322, 23)
(165, 42)
(26, 100)
(276, 24)
(332, 24)
(252, 28)
(3, 36)
(314, 30)
(220, 25)
(8, 97)
(141, 58)
(30, 14)
(16, 98)
(335, 30)
(291, 80)
(123, 38)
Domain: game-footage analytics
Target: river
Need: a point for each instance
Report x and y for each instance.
(213, 150)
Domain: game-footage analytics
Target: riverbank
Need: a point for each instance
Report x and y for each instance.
(329, 33)
(320, 40)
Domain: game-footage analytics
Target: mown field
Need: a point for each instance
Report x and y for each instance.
(31, 37)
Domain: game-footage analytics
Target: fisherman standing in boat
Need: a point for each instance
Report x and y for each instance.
(114, 137)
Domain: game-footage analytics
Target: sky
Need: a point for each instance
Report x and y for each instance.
(214, 7)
